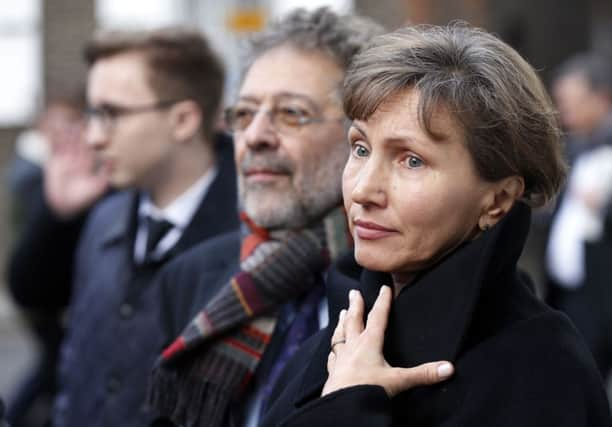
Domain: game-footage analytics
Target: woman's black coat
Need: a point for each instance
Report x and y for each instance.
(517, 362)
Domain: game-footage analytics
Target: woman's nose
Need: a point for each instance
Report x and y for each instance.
(369, 188)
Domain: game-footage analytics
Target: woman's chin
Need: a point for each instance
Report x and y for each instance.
(374, 261)
(390, 262)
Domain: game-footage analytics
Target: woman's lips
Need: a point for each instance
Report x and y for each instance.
(367, 230)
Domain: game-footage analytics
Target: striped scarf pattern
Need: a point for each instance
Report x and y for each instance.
(211, 363)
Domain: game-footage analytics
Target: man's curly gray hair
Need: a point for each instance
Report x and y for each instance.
(320, 30)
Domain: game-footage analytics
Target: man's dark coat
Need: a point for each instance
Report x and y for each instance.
(114, 331)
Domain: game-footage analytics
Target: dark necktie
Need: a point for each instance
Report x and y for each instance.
(156, 230)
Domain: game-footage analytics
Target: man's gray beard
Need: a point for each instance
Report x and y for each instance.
(301, 202)
(271, 208)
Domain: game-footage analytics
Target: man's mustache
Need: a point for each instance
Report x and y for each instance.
(268, 162)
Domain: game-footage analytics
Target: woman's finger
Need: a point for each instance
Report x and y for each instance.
(353, 324)
(338, 335)
(331, 359)
(378, 317)
(402, 379)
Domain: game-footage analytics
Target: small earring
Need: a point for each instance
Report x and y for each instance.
(485, 227)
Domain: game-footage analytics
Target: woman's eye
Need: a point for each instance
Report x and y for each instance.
(413, 162)
(360, 151)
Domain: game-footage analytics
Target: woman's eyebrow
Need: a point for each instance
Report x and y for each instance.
(394, 139)
(355, 126)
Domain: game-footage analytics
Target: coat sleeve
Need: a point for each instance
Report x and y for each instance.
(40, 266)
(358, 406)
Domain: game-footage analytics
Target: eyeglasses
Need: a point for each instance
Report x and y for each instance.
(283, 119)
(108, 114)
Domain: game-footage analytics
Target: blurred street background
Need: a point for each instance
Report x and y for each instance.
(40, 55)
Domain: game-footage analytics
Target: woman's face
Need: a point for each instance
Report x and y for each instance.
(410, 198)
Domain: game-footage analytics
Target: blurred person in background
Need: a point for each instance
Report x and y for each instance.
(47, 237)
(153, 98)
(59, 124)
(255, 295)
(582, 91)
(578, 254)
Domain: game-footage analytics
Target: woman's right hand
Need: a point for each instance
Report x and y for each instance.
(356, 356)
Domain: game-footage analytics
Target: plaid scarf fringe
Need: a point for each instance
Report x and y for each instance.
(197, 388)
(203, 389)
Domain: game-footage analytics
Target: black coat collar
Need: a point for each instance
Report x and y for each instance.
(430, 318)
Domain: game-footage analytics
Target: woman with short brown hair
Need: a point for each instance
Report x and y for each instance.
(453, 140)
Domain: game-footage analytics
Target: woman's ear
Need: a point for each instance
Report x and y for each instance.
(505, 192)
(186, 120)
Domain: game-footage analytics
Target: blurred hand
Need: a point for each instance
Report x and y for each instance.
(72, 180)
(592, 200)
(356, 357)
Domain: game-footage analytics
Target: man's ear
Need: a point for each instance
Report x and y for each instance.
(186, 117)
(501, 199)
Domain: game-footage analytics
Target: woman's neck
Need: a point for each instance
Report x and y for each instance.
(400, 281)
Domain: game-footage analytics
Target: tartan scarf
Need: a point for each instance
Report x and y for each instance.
(210, 365)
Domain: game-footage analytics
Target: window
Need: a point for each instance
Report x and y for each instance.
(21, 59)
(139, 14)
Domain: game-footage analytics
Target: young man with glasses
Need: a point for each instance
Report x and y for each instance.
(153, 99)
(255, 295)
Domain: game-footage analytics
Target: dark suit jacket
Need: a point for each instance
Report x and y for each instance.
(518, 362)
(190, 280)
(113, 336)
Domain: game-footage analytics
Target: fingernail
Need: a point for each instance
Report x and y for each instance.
(383, 289)
(342, 314)
(352, 294)
(445, 370)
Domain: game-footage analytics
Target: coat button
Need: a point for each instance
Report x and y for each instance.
(113, 385)
(126, 310)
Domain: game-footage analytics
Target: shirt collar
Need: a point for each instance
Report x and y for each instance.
(182, 209)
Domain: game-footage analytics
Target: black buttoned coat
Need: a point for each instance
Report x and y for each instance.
(518, 362)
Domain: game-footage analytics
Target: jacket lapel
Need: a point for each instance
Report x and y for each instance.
(124, 225)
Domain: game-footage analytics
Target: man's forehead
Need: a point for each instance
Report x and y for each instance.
(289, 71)
(132, 82)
